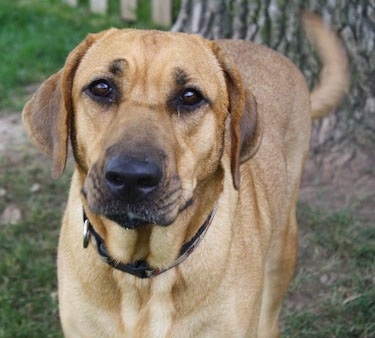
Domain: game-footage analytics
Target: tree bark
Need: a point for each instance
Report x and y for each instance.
(348, 133)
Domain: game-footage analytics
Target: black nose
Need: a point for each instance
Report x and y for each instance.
(131, 179)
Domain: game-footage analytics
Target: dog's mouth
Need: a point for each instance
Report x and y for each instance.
(143, 217)
(133, 221)
(128, 222)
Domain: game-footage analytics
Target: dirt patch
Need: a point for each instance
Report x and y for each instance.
(341, 182)
(12, 135)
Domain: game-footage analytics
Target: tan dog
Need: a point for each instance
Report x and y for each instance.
(163, 128)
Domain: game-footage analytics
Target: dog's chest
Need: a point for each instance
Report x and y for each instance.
(147, 307)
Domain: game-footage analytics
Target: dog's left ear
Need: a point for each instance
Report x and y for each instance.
(246, 131)
(47, 115)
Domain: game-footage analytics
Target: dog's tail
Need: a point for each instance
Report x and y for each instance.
(334, 76)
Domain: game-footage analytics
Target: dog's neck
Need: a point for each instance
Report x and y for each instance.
(159, 247)
(142, 269)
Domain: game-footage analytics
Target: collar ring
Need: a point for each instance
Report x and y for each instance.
(86, 233)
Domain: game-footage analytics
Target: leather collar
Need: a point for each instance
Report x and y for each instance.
(141, 269)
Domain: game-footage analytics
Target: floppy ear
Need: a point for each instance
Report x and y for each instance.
(46, 122)
(246, 132)
(47, 115)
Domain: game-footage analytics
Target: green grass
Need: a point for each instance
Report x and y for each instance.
(28, 303)
(334, 282)
(36, 36)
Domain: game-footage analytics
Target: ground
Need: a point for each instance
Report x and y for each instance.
(340, 182)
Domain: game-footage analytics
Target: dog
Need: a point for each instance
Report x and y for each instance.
(188, 155)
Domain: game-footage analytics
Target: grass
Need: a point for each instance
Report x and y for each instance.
(332, 294)
(28, 303)
(36, 36)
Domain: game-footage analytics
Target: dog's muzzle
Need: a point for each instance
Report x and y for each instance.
(135, 189)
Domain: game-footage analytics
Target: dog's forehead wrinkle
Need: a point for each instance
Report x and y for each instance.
(117, 66)
(152, 38)
(149, 105)
(180, 76)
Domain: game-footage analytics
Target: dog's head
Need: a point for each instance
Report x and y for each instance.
(148, 114)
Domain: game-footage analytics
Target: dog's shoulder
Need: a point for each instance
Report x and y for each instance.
(255, 60)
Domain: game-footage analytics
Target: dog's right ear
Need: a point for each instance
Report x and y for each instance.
(47, 115)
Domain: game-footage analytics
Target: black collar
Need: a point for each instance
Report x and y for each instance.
(141, 268)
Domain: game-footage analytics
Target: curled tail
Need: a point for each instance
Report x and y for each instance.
(334, 76)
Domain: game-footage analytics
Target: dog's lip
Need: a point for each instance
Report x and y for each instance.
(131, 220)
(127, 222)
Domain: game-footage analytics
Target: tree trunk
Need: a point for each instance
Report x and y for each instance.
(343, 143)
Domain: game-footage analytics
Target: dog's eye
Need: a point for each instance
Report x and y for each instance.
(191, 97)
(101, 89)
(187, 100)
